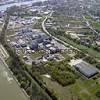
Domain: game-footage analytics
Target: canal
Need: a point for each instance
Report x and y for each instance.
(9, 89)
(4, 7)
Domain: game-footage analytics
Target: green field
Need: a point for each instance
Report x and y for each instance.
(81, 90)
(89, 18)
(86, 89)
(96, 25)
(63, 20)
(83, 48)
(37, 54)
(59, 91)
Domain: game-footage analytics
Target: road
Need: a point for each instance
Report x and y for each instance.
(66, 44)
(88, 24)
(55, 38)
(3, 52)
(86, 21)
(9, 89)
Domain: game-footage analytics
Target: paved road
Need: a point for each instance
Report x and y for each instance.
(88, 24)
(9, 89)
(55, 38)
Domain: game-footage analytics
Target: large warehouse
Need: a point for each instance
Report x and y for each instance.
(84, 68)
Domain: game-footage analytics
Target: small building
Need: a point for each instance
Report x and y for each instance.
(53, 50)
(26, 30)
(45, 42)
(22, 43)
(86, 41)
(34, 45)
(45, 37)
(35, 36)
(98, 43)
(39, 40)
(48, 45)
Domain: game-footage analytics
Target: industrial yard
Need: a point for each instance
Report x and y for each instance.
(28, 41)
(44, 54)
(51, 49)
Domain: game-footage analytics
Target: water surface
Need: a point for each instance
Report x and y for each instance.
(4, 7)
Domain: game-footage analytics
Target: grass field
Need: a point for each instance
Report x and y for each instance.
(61, 92)
(83, 89)
(89, 18)
(37, 54)
(68, 20)
(86, 89)
(83, 48)
(96, 25)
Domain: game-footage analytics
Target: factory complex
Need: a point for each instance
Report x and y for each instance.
(27, 41)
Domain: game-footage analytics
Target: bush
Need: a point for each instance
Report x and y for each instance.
(90, 60)
(98, 65)
(64, 78)
(61, 72)
(98, 94)
(79, 55)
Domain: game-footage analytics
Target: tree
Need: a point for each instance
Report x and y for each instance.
(64, 78)
(23, 84)
(90, 60)
(98, 65)
(98, 93)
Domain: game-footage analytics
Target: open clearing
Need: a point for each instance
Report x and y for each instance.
(83, 89)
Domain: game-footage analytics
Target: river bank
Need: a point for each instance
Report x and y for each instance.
(4, 7)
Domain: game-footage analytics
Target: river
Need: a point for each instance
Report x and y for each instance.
(9, 89)
(4, 7)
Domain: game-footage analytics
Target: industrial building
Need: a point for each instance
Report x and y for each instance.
(27, 41)
(34, 45)
(86, 69)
